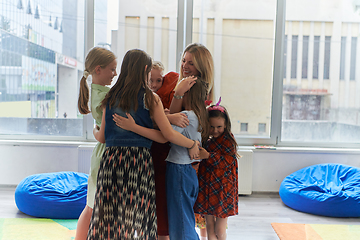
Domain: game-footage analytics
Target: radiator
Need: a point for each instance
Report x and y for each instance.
(84, 156)
(245, 164)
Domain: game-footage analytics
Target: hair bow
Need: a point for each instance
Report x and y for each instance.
(217, 107)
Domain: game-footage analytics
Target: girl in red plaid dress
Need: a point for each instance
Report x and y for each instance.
(218, 175)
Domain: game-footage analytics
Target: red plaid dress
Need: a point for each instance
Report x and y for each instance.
(218, 180)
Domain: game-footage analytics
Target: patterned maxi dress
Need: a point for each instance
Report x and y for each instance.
(125, 202)
(218, 180)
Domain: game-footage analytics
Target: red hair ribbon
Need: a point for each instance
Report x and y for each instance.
(208, 102)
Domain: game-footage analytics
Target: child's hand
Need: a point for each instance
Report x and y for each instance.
(203, 154)
(125, 123)
(194, 152)
(184, 85)
(167, 111)
(179, 119)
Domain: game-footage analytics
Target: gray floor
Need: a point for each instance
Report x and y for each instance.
(256, 213)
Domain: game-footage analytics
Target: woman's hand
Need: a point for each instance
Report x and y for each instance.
(184, 85)
(125, 123)
(194, 151)
(178, 119)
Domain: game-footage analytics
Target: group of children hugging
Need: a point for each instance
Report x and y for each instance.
(163, 154)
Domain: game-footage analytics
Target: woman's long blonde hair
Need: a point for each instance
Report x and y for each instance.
(97, 56)
(203, 62)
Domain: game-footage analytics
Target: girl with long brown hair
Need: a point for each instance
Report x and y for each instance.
(125, 193)
(181, 177)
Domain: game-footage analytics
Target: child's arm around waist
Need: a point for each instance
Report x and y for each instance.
(164, 125)
(223, 155)
(130, 125)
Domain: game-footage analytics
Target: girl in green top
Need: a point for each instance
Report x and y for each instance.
(100, 63)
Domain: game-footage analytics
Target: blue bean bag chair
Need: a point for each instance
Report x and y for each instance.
(325, 189)
(59, 195)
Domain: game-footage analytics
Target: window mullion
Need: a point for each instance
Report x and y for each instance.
(88, 121)
(184, 26)
(276, 108)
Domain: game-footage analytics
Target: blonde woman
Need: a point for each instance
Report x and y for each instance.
(196, 61)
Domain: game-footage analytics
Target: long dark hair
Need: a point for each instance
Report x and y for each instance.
(195, 99)
(135, 69)
(223, 113)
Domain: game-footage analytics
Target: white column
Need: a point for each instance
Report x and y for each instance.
(299, 56)
(157, 37)
(288, 53)
(121, 33)
(172, 45)
(143, 32)
(335, 49)
(347, 66)
(217, 57)
(88, 123)
(311, 56)
(321, 56)
(203, 28)
(357, 73)
(89, 25)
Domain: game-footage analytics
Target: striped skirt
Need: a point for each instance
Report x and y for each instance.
(125, 196)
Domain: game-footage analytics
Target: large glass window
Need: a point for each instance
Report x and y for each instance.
(151, 26)
(42, 55)
(241, 36)
(41, 49)
(323, 107)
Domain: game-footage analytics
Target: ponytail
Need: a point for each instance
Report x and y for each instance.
(83, 97)
(97, 56)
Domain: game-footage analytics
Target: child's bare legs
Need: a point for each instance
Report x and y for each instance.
(220, 228)
(216, 227)
(210, 227)
(203, 235)
(83, 223)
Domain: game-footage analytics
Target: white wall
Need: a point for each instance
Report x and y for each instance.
(270, 167)
(18, 161)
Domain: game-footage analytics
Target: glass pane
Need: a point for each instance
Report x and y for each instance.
(151, 26)
(41, 49)
(321, 85)
(240, 35)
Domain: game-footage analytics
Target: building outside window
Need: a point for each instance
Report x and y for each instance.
(41, 66)
(324, 106)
